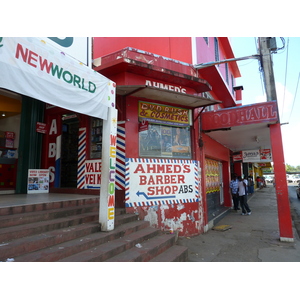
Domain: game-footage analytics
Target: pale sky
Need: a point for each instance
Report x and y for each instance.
(286, 71)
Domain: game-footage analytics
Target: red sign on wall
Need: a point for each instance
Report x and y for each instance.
(242, 115)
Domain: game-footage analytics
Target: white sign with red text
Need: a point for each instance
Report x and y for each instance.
(160, 181)
(92, 174)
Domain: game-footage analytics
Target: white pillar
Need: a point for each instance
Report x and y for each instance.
(108, 171)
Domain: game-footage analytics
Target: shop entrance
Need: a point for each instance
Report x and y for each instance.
(69, 151)
(10, 116)
(214, 188)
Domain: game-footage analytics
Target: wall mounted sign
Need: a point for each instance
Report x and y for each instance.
(161, 181)
(163, 114)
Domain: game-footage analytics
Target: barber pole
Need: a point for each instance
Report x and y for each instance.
(81, 158)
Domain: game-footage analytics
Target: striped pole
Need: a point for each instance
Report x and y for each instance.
(81, 158)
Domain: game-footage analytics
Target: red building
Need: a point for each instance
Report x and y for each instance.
(162, 98)
(181, 131)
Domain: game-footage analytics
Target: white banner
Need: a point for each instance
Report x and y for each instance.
(263, 155)
(32, 67)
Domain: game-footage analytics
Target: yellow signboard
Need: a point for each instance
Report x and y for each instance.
(163, 114)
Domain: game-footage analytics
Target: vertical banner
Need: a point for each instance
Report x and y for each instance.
(108, 172)
(38, 181)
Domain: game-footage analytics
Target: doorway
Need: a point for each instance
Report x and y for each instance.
(69, 151)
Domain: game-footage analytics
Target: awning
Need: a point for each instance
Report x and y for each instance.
(171, 97)
(31, 67)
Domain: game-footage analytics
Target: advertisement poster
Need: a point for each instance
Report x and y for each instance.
(259, 155)
(92, 174)
(161, 181)
(38, 181)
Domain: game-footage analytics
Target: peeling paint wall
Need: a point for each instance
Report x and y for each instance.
(174, 213)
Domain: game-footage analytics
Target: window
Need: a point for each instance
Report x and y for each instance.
(165, 141)
(96, 138)
(226, 70)
(217, 55)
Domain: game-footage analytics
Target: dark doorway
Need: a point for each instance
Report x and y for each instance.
(69, 151)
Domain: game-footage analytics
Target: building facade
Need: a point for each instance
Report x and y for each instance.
(180, 132)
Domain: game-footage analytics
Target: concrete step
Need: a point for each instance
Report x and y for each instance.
(21, 239)
(43, 215)
(147, 251)
(105, 251)
(174, 254)
(62, 250)
(32, 243)
(19, 231)
(10, 210)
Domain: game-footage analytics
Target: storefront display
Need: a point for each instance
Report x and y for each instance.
(96, 138)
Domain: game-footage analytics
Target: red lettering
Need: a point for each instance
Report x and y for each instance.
(168, 169)
(180, 179)
(186, 169)
(111, 201)
(159, 179)
(19, 51)
(44, 64)
(151, 181)
(113, 140)
(32, 57)
(143, 179)
(151, 190)
(139, 168)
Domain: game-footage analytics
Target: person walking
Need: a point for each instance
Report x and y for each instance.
(234, 192)
(243, 197)
(250, 185)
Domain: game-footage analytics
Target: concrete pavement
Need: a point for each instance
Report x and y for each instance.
(253, 238)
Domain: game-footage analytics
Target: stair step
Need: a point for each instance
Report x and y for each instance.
(36, 216)
(72, 247)
(148, 250)
(115, 247)
(10, 210)
(19, 231)
(36, 242)
(174, 254)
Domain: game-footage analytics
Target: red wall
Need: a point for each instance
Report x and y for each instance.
(178, 48)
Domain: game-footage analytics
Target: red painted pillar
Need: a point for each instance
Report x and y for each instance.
(238, 168)
(283, 204)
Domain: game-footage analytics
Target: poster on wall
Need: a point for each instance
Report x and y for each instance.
(161, 181)
(38, 181)
(92, 174)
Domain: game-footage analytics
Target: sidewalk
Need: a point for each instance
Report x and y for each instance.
(253, 238)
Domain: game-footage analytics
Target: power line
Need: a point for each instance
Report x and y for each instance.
(294, 97)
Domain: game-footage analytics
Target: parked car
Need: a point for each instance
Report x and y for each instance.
(298, 191)
(269, 179)
(291, 179)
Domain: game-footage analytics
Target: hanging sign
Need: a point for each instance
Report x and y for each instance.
(143, 126)
(263, 155)
(38, 181)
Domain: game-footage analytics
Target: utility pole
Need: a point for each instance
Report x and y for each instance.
(266, 45)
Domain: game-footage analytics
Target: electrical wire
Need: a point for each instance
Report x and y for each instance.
(294, 98)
